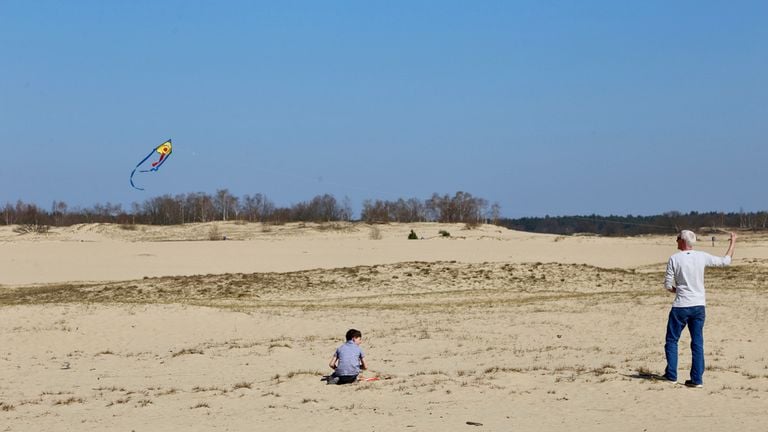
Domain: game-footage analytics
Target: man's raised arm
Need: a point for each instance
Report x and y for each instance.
(732, 245)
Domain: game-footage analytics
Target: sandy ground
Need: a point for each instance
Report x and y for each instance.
(156, 329)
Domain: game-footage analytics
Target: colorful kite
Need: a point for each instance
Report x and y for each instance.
(165, 149)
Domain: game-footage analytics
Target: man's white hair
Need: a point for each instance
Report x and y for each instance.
(689, 237)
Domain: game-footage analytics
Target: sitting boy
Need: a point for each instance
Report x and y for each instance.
(348, 360)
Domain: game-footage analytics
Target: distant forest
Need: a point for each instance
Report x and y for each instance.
(461, 207)
(666, 223)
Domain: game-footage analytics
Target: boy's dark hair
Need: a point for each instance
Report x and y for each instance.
(352, 333)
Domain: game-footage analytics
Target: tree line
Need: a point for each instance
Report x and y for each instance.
(666, 223)
(224, 206)
(461, 207)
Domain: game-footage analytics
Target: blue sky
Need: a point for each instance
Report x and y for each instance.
(547, 107)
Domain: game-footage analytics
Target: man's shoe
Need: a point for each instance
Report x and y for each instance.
(332, 380)
(689, 383)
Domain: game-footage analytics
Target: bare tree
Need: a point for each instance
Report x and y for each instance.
(257, 208)
(495, 213)
(346, 209)
(462, 207)
(375, 212)
(225, 203)
(9, 214)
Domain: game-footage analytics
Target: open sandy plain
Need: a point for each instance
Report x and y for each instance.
(163, 329)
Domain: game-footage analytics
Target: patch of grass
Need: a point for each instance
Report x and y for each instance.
(335, 226)
(31, 229)
(496, 369)
(69, 401)
(278, 345)
(303, 372)
(50, 393)
(110, 389)
(214, 234)
(187, 351)
(198, 389)
(241, 385)
(375, 233)
(604, 369)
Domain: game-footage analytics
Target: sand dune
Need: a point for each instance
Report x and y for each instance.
(103, 328)
(107, 252)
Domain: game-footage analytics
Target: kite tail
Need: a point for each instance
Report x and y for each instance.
(137, 167)
(134, 186)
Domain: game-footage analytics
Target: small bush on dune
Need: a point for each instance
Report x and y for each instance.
(213, 233)
(31, 229)
(375, 233)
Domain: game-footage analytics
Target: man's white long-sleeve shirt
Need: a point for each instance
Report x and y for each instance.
(685, 272)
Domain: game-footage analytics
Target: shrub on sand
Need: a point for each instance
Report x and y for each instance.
(375, 233)
(213, 233)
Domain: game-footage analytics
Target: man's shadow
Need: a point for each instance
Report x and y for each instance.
(648, 376)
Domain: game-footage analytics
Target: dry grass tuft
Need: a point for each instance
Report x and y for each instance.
(187, 351)
(303, 372)
(242, 385)
(375, 233)
(69, 401)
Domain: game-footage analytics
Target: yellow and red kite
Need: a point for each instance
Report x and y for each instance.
(165, 149)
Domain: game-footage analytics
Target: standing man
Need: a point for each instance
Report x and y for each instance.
(685, 278)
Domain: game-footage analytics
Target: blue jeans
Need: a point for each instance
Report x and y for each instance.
(679, 317)
(345, 379)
